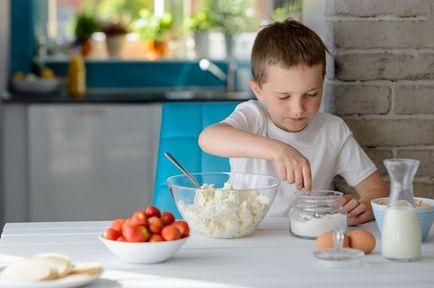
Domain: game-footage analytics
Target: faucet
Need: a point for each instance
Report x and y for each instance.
(228, 78)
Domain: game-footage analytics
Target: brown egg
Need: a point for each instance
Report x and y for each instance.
(362, 240)
(325, 240)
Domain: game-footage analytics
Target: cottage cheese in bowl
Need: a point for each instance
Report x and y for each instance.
(232, 211)
(224, 212)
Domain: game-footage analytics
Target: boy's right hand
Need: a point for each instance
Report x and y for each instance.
(292, 166)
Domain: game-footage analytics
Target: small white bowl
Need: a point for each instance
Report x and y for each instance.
(144, 252)
(36, 86)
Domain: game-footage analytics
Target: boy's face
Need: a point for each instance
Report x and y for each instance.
(292, 96)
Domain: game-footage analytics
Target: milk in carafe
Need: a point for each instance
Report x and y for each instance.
(401, 236)
(401, 233)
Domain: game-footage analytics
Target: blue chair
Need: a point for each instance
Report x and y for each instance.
(181, 125)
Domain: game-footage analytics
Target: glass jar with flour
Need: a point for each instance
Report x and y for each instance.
(317, 212)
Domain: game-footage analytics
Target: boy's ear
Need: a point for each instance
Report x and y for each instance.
(255, 89)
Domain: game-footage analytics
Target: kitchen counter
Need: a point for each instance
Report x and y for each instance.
(271, 257)
(104, 144)
(145, 95)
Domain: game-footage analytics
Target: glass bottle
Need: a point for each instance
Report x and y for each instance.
(401, 233)
(76, 76)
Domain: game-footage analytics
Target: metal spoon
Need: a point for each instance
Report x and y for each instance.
(180, 167)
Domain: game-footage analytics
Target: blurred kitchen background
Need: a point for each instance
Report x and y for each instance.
(92, 155)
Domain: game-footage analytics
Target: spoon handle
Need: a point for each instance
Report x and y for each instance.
(180, 167)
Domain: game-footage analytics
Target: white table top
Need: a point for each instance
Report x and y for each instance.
(271, 257)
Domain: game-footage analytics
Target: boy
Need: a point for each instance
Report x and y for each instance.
(283, 134)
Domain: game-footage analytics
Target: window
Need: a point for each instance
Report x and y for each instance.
(156, 29)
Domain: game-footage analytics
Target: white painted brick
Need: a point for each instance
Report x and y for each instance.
(414, 99)
(420, 189)
(362, 99)
(423, 190)
(392, 132)
(384, 66)
(426, 158)
(387, 40)
(384, 34)
(400, 8)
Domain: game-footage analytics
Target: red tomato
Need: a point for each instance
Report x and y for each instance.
(156, 238)
(136, 233)
(121, 239)
(170, 232)
(117, 224)
(155, 224)
(111, 234)
(140, 218)
(167, 218)
(183, 228)
(151, 211)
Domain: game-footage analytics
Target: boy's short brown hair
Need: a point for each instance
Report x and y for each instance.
(288, 43)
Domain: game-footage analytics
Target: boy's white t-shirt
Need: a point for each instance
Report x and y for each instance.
(326, 142)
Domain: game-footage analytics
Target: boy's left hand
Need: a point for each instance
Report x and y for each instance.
(358, 211)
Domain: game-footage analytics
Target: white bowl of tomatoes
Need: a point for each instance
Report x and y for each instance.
(149, 236)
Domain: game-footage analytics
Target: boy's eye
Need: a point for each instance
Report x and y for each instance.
(312, 94)
(283, 97)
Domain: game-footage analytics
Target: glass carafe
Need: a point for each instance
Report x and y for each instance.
(401, 233)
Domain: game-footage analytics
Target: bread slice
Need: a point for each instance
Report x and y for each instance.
(48, 266)
(87, 268)
(30, 269)
(61, 263)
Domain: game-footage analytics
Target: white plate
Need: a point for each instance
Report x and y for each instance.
(75, 281)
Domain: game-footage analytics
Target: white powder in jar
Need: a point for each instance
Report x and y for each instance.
(313, 227)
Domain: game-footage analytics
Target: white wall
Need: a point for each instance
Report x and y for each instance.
(314, 15)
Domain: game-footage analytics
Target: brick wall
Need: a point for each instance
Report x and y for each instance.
(384, 80)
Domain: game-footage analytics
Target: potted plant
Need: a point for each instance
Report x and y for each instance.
(227, 16)
(85, 25)
(153, 29)
(118, 16)
(292, 9)
(115, 37)
(200, 25)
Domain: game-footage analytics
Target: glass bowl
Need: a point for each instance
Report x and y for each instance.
(227, 205)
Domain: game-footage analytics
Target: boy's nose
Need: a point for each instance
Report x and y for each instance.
(297, 106)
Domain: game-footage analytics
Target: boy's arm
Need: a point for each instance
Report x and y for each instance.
(224, 140)
(360, 211)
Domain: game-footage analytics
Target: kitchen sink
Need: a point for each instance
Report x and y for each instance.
(168, 93)
(207, 94)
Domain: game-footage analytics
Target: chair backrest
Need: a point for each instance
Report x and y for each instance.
(181, 125)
